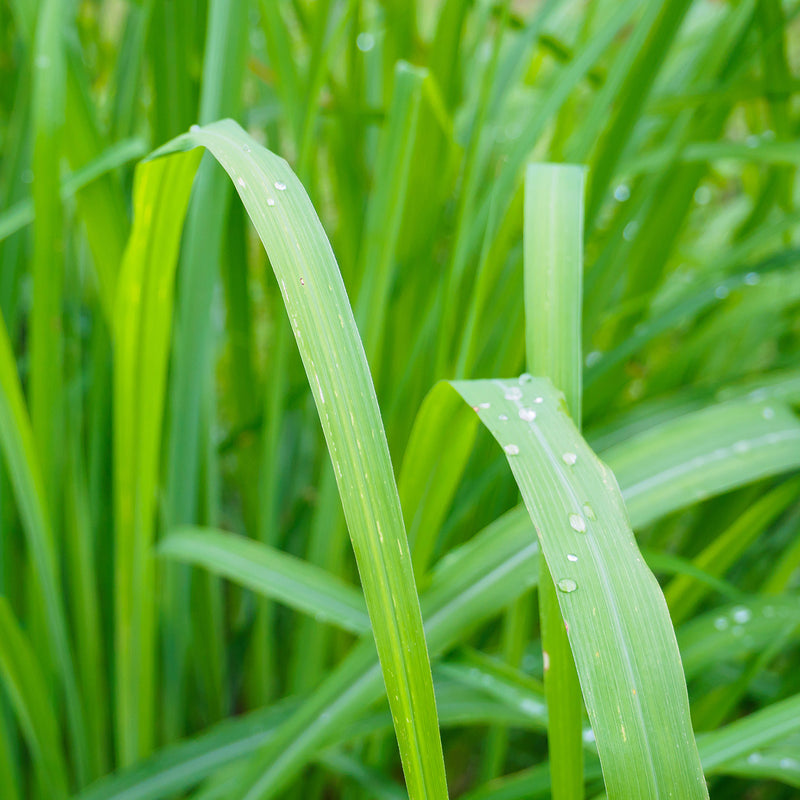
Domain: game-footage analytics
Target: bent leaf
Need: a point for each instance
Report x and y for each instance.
(333, 356)
(618, 624)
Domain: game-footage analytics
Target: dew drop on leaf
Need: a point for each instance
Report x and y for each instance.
(569, 458)
(567, 585)
(742, 615)
(511, 449)
(577, 523)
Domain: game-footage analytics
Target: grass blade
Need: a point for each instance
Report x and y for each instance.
(704, 453)
(271, 572)
(141, 348)
(27, 688)
(336, 366)
(630, 671)
(553, 294)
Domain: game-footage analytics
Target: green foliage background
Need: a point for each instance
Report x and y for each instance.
(181, 613)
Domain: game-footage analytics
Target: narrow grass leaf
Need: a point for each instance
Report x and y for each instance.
(27, 688)
(553, 273)
(703, 453)
(143, 323)
(270, 572)
(328, 340)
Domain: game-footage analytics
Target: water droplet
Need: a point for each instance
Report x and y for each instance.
(577, 523)
(527, 414)
(721, 623)
(788, 763)
(742, 615)
(503, 417)
(567, 585)
(588, 735)
(622, 193)
(365, 41)
(630, 231)
(545, 660)
(194, 128)
(768, 412)
(589, 511)
(538, 399)
(752, 278)
(593, 357)
(246, 148)
(280, 186)
(240, 181)
(484, 405)
(569, 458)
(721, 292)
(511, 449)
(514, 393)
(754, 758)
(526, 377)
(702, 196)
(572, 557)
(741, 446)
(270, 201)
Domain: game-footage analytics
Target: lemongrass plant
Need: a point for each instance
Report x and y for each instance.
(520, 521)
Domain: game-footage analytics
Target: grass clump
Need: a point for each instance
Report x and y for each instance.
(598, 200)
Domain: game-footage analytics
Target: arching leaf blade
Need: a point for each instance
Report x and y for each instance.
(618, 624)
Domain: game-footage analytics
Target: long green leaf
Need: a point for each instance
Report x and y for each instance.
(264, 569)
(325, 331)
(141, 347)
(704, 453)
(619, 628)
(553, 274)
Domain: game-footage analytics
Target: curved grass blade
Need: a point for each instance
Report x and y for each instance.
(333, 356)
(761, 728)
(276, 574)
(704, 453)
(735, 631)
(22, 213)
(618, 624)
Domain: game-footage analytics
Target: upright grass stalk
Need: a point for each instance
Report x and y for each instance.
(141, 347)
(553, 295)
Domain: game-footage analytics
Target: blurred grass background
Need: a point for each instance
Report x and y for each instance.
(410, 125)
